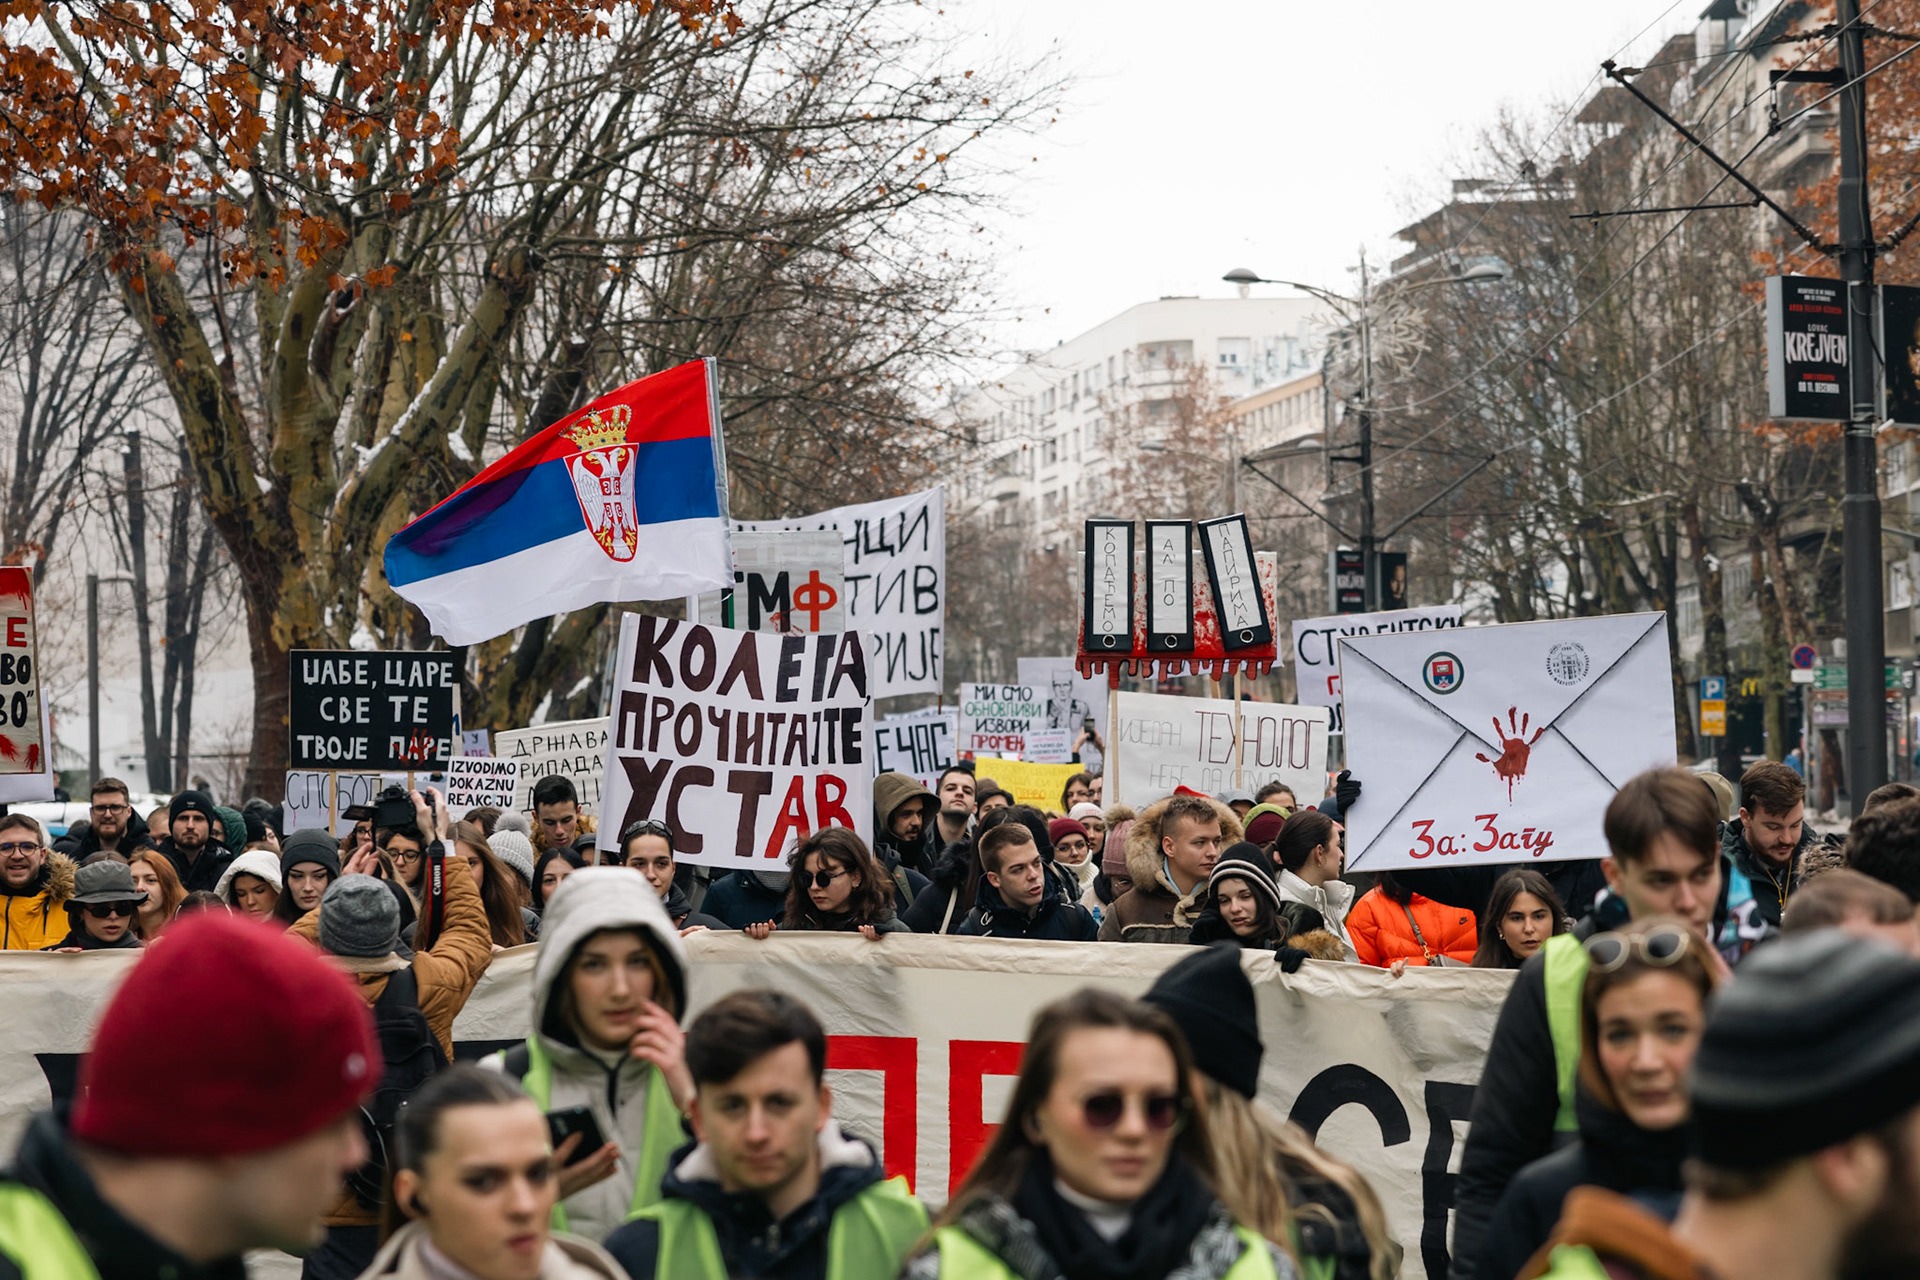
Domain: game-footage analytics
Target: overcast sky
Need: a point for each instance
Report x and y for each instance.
(1272, 135)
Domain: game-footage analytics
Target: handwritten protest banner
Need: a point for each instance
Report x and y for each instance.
(1165, 742)
(573, 749)
(918, 743)
(1039, 785)
(372, 711)
(896, 583)
(1500, 744)
(26, 766)
(1072, 700)
(1316, 648)
(782, 581)
(473, 781)
(740, 741)
(995, 719)
(318, 800)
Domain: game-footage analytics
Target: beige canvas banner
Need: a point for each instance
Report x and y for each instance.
(926, 1035)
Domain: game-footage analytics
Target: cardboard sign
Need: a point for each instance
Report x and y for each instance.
(318, 801)
(1316, 648)
(26, 766)
(476, 742)
(574, 749)
(476, 781)
(373, 712)
(1165, 741)
(895, 566)
(740, 741)
(1488, 745)
(1210, 651)
(1039, 785)
(1049, 746)
(782, 581)
(918, 744)
(995, 719)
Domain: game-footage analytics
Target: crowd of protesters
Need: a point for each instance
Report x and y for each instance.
(1706, 1064)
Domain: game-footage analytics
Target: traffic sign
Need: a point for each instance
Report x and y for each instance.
(1713, 718)
(1713, 688)
(1805, 656)
(1834, 676)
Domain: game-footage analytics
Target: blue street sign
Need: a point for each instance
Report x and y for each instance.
(1713, 688)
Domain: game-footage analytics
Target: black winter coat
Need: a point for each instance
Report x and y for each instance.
(741, 898)
(1055, 919)
(80, 841)
(1612, 1153)
(944, 887)
(205, 871)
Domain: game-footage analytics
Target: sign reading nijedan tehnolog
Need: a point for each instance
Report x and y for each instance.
(372, 712)
(742, 742)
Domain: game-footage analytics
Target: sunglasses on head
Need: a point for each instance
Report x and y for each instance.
(1161, 1110)
(646, 827)
(104, 910)
(1662, 948)
(825, 879)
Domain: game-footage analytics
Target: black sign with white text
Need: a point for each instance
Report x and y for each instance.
(1807, 349)
(372, 711)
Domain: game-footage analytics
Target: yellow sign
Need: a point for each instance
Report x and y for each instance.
(1713, 718)
(1039, 785)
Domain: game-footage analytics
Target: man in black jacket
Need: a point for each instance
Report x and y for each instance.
(111, 827)
(1663, 830)
(189, 845)
(1017, 898)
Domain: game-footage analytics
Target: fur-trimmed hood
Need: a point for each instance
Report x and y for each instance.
(1143, 840)
(55, 880)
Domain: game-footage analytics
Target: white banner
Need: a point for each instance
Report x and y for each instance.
(1163, 741)
(475, 781)
(740, 741)
(925, 1037)
(782, 581)
(316, 797)
(996, 719)
(26, 727)
(1072, 700)
(1316, 648)
(918, 744)
(1500, 744)
(896, 583)
(574, 749)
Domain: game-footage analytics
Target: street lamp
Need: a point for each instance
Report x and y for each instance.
(1360, 313)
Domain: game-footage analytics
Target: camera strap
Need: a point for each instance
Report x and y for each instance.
(434, 908)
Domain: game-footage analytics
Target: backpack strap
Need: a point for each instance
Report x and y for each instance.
(516, 1061)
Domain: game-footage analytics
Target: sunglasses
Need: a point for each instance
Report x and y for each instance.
(646, 827)
(104, 910)
(824, 879)
(1662, 948)
(1162, 1111)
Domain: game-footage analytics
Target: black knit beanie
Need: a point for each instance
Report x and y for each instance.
(1249, 862)
(1212, 1000)
(1815, 1041)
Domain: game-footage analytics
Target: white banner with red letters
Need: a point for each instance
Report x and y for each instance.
(925, 1036)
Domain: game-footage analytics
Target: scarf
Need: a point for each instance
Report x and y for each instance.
(1165, 1221)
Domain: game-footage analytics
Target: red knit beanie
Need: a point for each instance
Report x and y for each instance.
(247, 1035)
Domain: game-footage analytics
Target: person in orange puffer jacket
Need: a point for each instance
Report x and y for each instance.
(1393, 923)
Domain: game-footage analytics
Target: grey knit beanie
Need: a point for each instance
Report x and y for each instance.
(514, 849)
(359, 917)
(514, 820)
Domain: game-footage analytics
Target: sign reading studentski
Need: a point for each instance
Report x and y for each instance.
(372, 711)
(1316, 647)
(573, 749)
(896, 583)
(742, 742)
(25, 764)
(1500, 744)
(1164, 741)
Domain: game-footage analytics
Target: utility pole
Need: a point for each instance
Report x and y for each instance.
(93, 677)
(1369, 558)
(1860, 509)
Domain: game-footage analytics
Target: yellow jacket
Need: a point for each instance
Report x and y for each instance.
(32, 921)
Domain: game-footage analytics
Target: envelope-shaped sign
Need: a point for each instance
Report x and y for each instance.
(1500, 744)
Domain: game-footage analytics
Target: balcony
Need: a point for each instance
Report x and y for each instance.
(1803, 152)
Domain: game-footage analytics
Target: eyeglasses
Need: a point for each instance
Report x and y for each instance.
(1663, 947)
(1160, 1110)
(112, 808)
(825, 879)
(102, 910)
(404, 855)
(17, 846)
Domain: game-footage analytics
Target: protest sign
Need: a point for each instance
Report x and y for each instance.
(1316, 648)
(895, 566)
(1246, 646)
(1164, 741)
(740, 741)
(1500, 744)
(1039, 785)
(573, 749)
(995, 719)
(925, 1035)
(1072, 700)
(782, 581)
(473, 781)
(475, 742)
(26, 765)
(918, 743)
(372, 711)
(1049, 746)
(318, 800)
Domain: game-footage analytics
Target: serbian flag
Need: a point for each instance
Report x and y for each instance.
(625, 500)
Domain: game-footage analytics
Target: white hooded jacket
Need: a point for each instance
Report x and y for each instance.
(1333, 900)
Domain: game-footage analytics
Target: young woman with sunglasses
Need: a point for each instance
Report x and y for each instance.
(1642, 1012)
(837, 886)
(103, 908)
(1102, 1167)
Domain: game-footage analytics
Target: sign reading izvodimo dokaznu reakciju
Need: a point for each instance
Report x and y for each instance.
(1485, 745)
(742, 742)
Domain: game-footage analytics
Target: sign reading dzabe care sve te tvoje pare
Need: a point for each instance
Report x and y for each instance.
(349, 709)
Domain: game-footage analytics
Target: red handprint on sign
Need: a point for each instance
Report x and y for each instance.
(1515, 747)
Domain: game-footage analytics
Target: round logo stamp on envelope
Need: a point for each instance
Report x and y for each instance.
(1567, 662)
(1443, 673)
